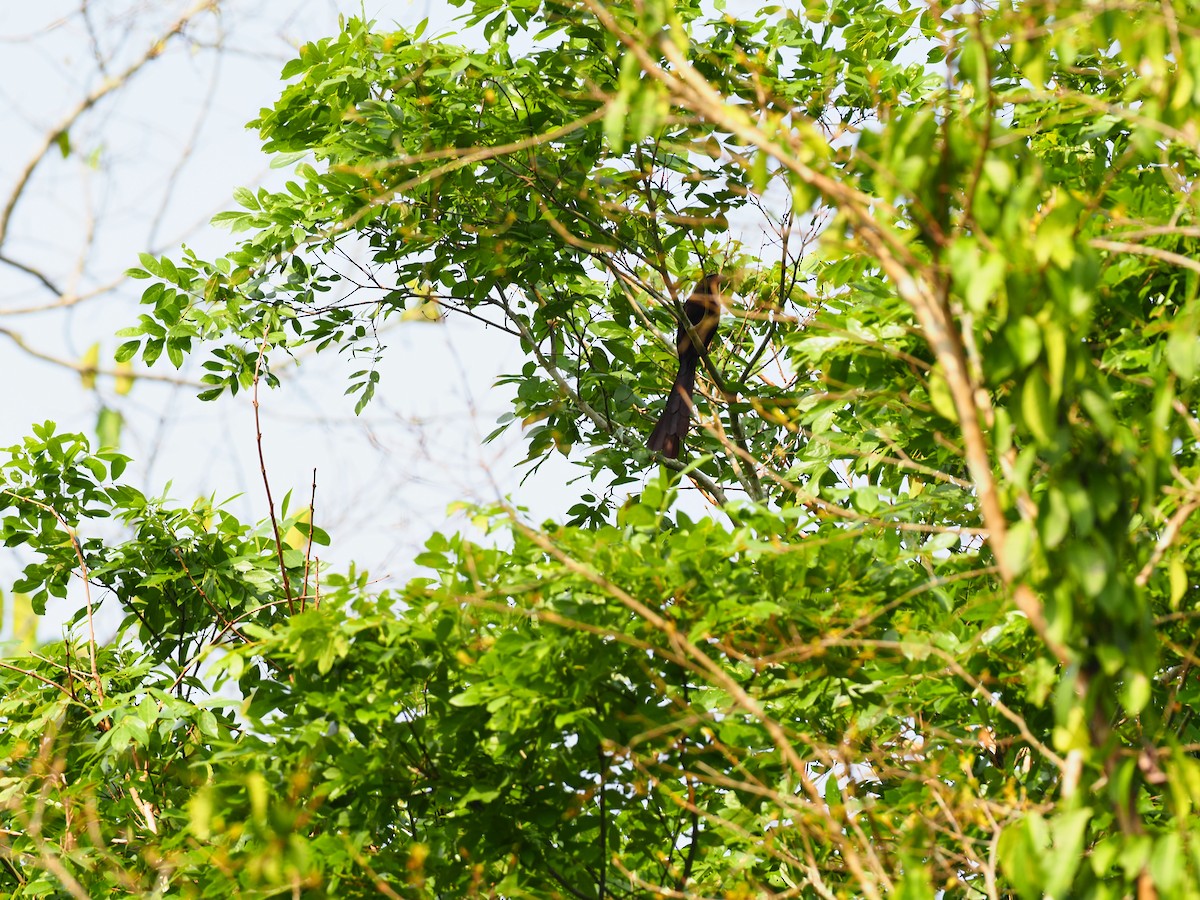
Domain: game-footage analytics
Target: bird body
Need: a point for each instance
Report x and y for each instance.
(703, 311)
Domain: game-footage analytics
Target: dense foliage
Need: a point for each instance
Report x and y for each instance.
(936, 629)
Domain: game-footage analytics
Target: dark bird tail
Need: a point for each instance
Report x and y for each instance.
(701, 313)
(672, 427)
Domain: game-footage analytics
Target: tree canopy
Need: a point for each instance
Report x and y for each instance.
(914, 611)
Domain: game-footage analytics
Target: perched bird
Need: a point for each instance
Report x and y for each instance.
(703, 311)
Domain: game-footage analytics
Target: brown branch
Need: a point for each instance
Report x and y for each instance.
(897, 263)
(312, 523)
(83, 569)
(29, 673)
(105, 88)
(262, 465)
(1176, 259)
(83, 369)
(1166, 539)
(704, 665)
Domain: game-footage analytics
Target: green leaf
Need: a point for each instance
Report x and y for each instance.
(1055, 519)
(1018, 543)
(1025, 339)
(108, 427)
(1036, 408)
(245, 197)
(1183, 351)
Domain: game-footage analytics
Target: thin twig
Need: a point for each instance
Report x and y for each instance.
(1166, 539)
(88, 370)
(106, 87)
(87, 590)
(312, 517)
(262, 465)
(29, 673)
(1177, 259)
(704, 665)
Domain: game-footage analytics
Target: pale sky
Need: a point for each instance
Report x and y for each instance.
(385, 478)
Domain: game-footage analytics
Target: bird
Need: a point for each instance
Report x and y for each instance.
(703, 311)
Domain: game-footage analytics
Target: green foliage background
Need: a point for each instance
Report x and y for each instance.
(936, 631)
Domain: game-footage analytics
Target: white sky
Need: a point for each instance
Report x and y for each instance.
(385, 478)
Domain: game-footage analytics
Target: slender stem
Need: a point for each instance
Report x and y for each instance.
(87, 589)
(603, 825)
(312, 519)
(262, 466)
